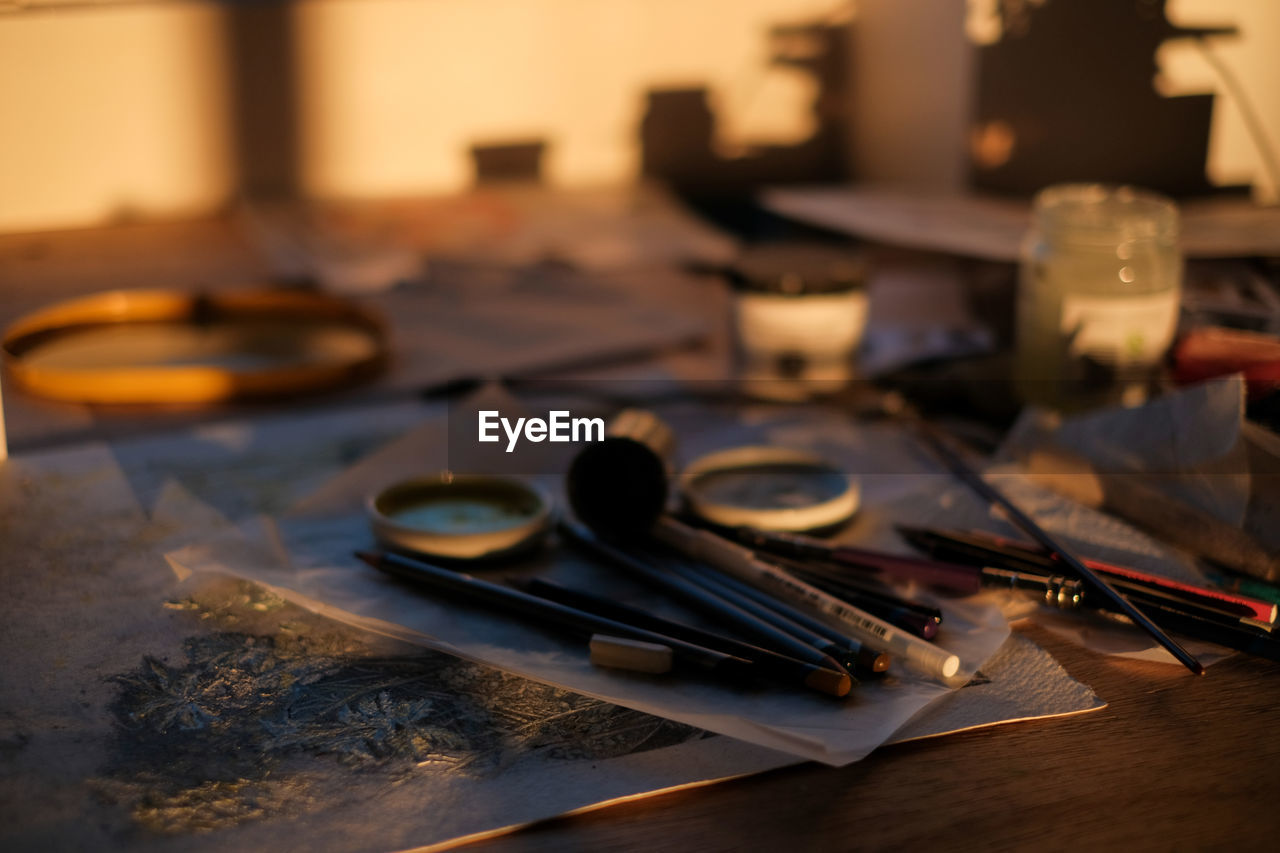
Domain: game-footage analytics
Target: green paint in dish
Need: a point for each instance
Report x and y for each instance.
(462, 514)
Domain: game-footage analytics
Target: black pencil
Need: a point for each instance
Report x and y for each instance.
(1238, 637)
(781, 666)
(549, 613)
(921, 624)
(750, 625)
(866, 592)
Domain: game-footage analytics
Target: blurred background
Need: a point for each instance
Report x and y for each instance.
(117, 111)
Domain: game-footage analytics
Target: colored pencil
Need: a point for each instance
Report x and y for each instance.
(740, 562)
(1240, 638)
(999, 547)
(920, 624)
(551, 614)
(857, 583)
(761, 631)
(779, 666)
(852, 653)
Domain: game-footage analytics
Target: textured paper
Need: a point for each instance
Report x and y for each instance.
(309, 560)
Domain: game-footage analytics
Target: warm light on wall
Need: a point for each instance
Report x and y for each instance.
(395, 94)
(112, 113)
(1252, 58)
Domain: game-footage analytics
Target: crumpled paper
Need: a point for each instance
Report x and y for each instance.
(1198, 431)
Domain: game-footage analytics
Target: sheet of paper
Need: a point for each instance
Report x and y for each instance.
(1193, 438)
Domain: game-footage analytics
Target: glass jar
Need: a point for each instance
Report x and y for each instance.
(1098, 295)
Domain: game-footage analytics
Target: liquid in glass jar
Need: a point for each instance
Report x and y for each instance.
(1098, 295)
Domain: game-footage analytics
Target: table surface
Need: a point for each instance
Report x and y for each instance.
(1173, 761)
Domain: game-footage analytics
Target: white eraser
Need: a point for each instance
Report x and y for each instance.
(633, 655)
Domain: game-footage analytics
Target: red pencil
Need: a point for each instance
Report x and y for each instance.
(1264, 611)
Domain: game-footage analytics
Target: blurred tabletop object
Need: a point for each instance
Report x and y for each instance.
(510, 281)
(992, 228)
(518, 282)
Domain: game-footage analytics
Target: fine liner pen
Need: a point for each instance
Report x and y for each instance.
(770, 662)
(761, 631)
(784, 617)
(1000, 547)
(544, 612)
(741, 563)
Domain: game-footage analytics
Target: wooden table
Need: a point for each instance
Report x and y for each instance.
(1175, 761)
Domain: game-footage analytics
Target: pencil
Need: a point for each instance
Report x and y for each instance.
(996, 548)
(852, 653)
(551, 614)
(1031, 562)
(1236, 637)
(920, 624)
(761, 631)
(785, 668)
(1024, 522)
(741, 563)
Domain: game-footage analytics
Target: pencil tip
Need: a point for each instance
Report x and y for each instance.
(829, 681)
(870, 660)
(369, 557)
(831, 663)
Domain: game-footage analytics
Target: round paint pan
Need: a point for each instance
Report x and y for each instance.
(460, 517)
(771, 488)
